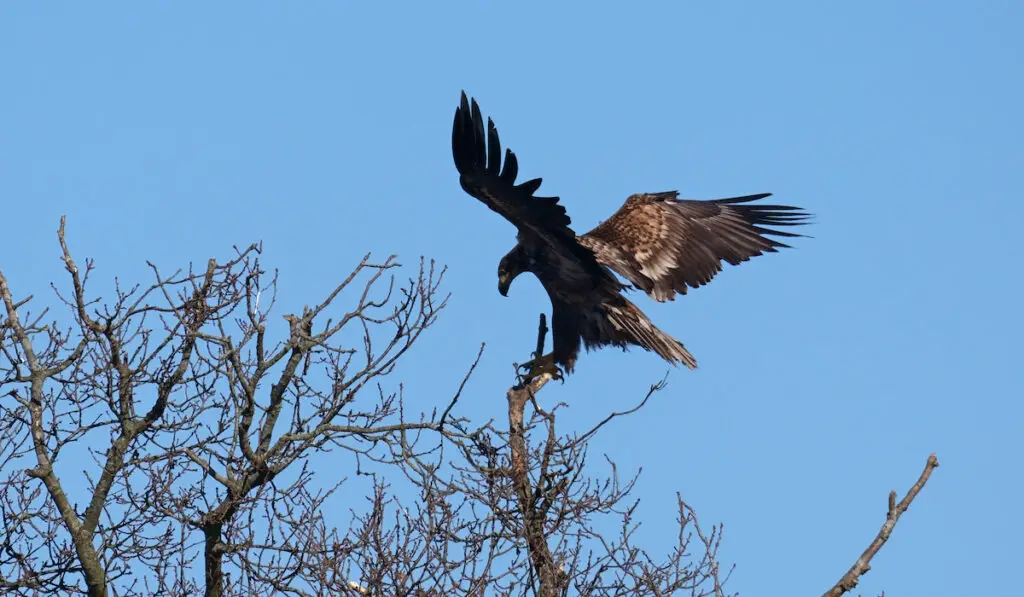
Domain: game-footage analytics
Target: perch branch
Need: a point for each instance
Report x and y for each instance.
(542, 331)
(533, 519)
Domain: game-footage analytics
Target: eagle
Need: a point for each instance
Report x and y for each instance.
(658, 242)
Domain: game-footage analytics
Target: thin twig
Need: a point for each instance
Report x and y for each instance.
(462, 386)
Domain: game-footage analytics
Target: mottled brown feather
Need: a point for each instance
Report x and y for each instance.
(665, 245)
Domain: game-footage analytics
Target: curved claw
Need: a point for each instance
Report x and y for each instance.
(539, 366)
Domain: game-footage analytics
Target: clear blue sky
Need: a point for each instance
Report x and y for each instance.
(828, 372)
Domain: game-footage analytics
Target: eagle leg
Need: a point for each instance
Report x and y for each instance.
(538, 366)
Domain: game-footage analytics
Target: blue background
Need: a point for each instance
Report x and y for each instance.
(827, 373)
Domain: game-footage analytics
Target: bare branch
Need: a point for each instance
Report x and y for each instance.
(849, 580)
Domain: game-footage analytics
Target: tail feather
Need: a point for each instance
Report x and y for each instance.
(632, 326)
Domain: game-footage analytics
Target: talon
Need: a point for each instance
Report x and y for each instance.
(538, 366)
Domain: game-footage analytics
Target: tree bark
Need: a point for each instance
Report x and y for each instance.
(214, 563)
(547, 572)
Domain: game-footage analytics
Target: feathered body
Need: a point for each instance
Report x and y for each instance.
(659, 243)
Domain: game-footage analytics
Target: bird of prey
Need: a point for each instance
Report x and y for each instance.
(661, 244)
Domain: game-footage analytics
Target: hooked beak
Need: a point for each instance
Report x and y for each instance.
(503, 283)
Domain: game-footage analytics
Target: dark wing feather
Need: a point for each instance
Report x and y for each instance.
(663, 244)
(482, 175)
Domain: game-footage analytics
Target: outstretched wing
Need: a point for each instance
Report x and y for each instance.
(482, 175)
(663, 244)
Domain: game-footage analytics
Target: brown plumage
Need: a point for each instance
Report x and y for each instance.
(659, 243)
(663, 244)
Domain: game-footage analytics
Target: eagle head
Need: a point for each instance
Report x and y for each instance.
(504, 278)
(509, 267)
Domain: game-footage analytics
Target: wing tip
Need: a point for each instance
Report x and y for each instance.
(761, 215)
(476, 149)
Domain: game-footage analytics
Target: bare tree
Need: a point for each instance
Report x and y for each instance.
(194, 418)
(209, 435)
(548, 520)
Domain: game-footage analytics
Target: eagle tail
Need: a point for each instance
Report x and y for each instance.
(632, 326)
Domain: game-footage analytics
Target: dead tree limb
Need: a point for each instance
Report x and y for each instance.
(547, 574)
(863, 563)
